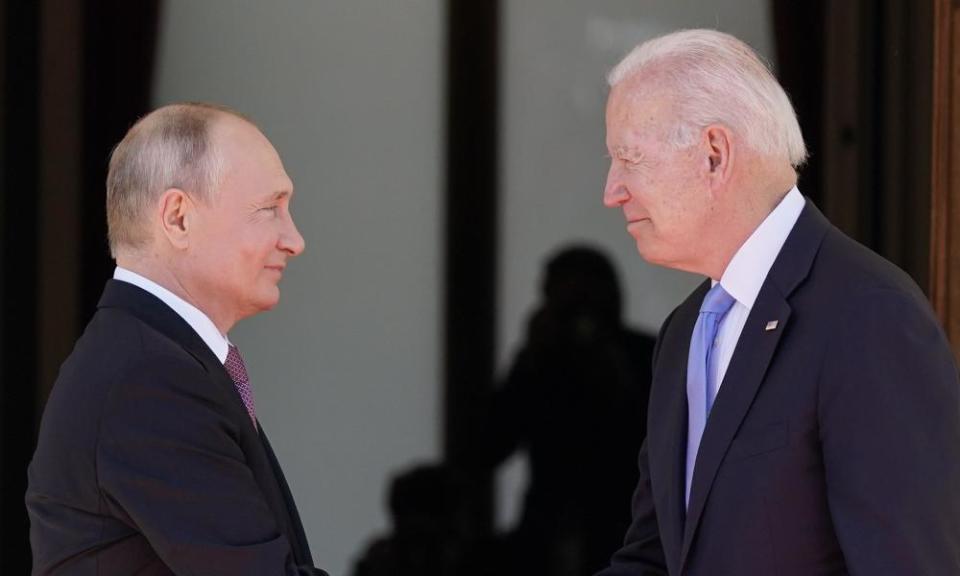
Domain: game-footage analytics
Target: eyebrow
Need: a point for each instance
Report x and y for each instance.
(627, 152)
(280, 194)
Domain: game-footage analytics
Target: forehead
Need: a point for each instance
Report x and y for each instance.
(248, 156)
(635, 105)
(639, 115)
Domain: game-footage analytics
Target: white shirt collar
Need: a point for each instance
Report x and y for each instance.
(749, 266)
(197, 320)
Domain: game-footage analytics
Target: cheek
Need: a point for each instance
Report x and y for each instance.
(256, 248)
(659, 197)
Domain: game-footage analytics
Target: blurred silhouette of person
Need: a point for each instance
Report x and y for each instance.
(575, 400)
(425, 540)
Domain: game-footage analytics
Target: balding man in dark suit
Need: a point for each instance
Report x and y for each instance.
(150, 458)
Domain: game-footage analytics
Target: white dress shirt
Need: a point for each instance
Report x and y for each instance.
(197, 320)
(747, 271)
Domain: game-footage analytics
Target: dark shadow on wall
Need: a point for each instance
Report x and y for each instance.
(575, 403)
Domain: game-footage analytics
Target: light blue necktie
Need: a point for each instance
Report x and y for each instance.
(701, 365)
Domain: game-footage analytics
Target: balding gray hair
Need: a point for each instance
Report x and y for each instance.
(169, 148)
(713, 78)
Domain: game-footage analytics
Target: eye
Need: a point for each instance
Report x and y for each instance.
(271, 209)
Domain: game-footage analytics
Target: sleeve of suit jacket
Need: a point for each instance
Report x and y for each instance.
(889, 413)
(642, 552)
(168, 462)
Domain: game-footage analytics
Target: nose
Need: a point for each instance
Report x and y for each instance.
(291, 241)
(615, 194)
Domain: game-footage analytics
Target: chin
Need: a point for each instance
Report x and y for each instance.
(647, 252)
(652, 256)
(271, 303)
(267, 306)
(268, 299)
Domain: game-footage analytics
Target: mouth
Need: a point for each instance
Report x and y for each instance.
(632, 218)
(276, 268)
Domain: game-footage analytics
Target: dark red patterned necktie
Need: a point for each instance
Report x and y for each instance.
(238, 373)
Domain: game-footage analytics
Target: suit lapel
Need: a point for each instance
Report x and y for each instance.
(260, 457)
(162, 318)
(740, 385)
(752, 356)
(667, 436)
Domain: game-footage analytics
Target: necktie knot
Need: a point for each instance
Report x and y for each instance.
(235, 366)
(237, 371)
(717, 301)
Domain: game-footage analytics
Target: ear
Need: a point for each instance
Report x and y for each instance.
(176, 216)
(720, 153)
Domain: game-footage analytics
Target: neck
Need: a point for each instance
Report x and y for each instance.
(742, 218)
(155, 270)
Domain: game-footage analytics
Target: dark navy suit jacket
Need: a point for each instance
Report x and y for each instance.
(147, 462)
(833, 446)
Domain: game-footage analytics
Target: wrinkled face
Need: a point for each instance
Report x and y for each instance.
(244, 236)
(661, 190)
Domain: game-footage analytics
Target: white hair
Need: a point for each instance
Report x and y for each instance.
(712, 77)
(169, 148)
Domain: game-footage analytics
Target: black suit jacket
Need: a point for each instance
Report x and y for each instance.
(833, 446)
(147, 462)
